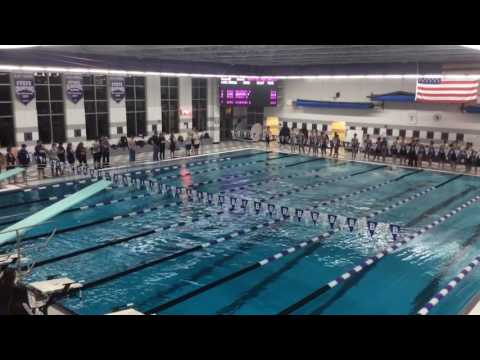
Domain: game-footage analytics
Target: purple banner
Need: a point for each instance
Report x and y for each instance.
(73, 88)
(117, 88)
(24, 88)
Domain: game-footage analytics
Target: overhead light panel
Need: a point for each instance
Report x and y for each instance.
(10, 47)
(475, 47)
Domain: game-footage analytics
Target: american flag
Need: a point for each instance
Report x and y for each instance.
(451, 91)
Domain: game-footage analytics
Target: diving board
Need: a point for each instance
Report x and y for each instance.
(25, 225)
(11, 173)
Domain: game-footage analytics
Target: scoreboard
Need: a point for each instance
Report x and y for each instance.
(258, 92)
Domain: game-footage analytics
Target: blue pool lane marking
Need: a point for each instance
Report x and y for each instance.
(169, 177)
(312, 186)
(144, 265)
(374, 259)
(92, 179)
(240, 272)
(450, 286)
(364, 190)
(411, 198)
(164, 168)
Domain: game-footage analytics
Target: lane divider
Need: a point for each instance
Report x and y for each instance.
(168, 177)
(449, 288)
(95, 178)
(364, 190)
(252, 267)
(411, 198)
(309, 187)
(239, 273)
(192, 164)
(94, 206)
(101, 221)
(150, 263)
(376, 258)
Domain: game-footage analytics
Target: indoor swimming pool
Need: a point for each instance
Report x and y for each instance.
(159, 253)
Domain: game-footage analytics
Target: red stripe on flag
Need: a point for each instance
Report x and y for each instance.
(446, 88)
(447, 95)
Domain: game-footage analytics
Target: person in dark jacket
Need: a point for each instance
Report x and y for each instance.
(71, 157)
(24, 160)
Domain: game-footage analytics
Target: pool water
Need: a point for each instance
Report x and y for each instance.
(401, 283)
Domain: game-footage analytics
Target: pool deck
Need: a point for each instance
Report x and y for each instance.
(119, 158)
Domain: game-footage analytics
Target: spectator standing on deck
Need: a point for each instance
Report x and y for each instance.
(394, 151)
(97, 154)
(81, 155)
(188, 144)
(367, 148)
(162, 145)
(173, 145)
(41, 159)
(61, 158)
(132, 149)
(355, 146)
(268, 135)
(336, 145)
(155, 142)
(293, 140)
(24, 160)
(105, 147)
(430, 153)
(11, 162)
(53, 159)
(71, 157)
(195, 142)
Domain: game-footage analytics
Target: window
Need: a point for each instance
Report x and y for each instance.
(254, 115)
(430, 135)
(314, 126)
(169, 98)
(445, 136)
(135, 102)
(376, 131)
(77, 133)
(402, 133)
(365, 130)
(199, 104)
(294, 125)
(353, 128)
(304, 126)
(28, 136)
(389, 132)
(7, 130)
(324, 127)
(50, 108)
(96, 106)
(119, 130)
(416, 134)
(460, 137)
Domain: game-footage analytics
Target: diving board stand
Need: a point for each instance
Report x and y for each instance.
(21, 227)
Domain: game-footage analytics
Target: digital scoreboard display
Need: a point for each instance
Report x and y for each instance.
(258, 92)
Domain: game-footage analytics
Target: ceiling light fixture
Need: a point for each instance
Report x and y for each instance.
(12, 47)
(475, 47)
(246, 77)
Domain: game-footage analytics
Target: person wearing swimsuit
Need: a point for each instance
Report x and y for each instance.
(394, 151)
(355, 146)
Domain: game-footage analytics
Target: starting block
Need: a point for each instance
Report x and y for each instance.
(39, 293)
(126, 312)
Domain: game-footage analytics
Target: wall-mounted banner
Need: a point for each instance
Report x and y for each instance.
(117, 88)
(24, 88)
(73, 88)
